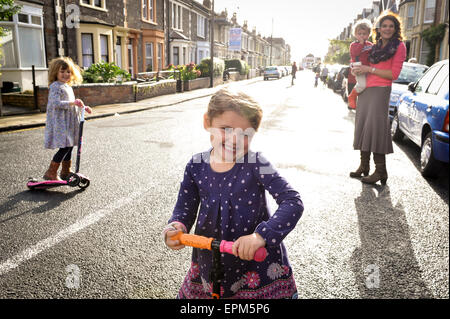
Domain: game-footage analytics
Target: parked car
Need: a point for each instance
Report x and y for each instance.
(339, 80)
(422, 116)
(272, 72)
(333, 70)
(411, 72)
(226, 73)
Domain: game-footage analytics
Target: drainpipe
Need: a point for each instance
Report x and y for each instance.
(168, 31)
(56, 27)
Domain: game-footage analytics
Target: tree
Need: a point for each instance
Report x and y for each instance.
(338, 51)
(7, 10)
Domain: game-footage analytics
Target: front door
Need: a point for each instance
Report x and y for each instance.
(130, 58)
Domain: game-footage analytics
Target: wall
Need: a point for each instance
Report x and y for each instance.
(94, 94)
(149, 90)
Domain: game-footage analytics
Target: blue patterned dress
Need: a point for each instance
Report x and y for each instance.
(61, 128)
(233, 204)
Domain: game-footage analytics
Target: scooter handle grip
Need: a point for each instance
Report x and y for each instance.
(193, 240)
(227, 247)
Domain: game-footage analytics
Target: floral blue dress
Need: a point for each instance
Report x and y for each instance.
(233, 204)
(61, 128)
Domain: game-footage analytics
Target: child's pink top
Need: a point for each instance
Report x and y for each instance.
(395, 64)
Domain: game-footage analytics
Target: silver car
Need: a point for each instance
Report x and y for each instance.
(272, 72)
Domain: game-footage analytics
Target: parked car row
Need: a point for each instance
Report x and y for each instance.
(277, 72)
(418, 109)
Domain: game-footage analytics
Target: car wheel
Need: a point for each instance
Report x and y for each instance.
(429, 166)
(396, 134)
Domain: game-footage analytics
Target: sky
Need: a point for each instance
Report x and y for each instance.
(306, 25)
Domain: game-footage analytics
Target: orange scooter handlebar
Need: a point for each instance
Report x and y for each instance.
(202, 242)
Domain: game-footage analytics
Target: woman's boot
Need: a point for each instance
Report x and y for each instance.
(380, 173)
(364, 167)
(52, 172)
(65, 169)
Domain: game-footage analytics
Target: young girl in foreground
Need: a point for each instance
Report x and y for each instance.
(61, 129)
(228, 182)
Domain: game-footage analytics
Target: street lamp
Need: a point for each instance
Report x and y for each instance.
(211, 50)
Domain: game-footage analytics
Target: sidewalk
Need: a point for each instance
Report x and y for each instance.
(19, 122)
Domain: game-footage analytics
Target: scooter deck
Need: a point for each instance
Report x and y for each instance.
(34, 184)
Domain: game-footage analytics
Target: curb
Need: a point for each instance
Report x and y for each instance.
(34, 125)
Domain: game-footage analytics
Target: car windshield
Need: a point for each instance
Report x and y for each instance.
(271, 69)
(410, 73)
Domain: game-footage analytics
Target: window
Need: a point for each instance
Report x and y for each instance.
(409, 23)
(176, 55)
(444, 87)
(148, 10)
(160, 56)
(94, 4)
(148, 57)
(119, 52)
(201, 26)
(30, 47)
(87, 48)
(418, 13)
(437, 81)
(424, 51)
(176, 16)
(104, 47)
(424, 82)
(23, 43)
(7, 51)
(430, 6)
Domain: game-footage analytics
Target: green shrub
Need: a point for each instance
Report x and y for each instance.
(204, 67)
(104, 72)
(240, 65)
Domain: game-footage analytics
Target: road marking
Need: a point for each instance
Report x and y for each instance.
(49, 242)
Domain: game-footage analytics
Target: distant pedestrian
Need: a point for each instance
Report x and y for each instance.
(229, 183)
(61, 129)
(372, 125)
(359, 54)
(324, 74)
(293, 71)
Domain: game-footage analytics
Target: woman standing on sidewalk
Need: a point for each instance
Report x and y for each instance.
(372, 126)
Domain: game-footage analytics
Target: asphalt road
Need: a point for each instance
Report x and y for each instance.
(353, 241)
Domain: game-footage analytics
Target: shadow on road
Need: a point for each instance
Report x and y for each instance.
(385, 265)
(50, 200)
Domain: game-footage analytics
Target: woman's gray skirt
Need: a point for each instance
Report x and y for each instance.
(372, 125)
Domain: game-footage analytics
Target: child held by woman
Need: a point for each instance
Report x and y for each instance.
(359, 54)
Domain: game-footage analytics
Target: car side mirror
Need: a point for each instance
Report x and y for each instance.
(412, 86)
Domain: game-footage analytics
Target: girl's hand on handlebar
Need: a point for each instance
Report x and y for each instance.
(79, 103)
(88, 109)
(246, 246)
(174, 244)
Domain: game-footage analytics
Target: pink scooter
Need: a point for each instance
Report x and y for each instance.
(74, 179)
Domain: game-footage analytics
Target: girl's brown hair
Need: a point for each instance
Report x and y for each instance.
(239, 102)
(64, 63)
(388, 15)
